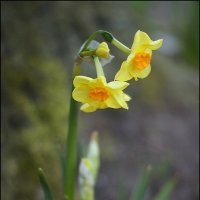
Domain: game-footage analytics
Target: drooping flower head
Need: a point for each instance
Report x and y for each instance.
(98, 94)
(138, 62)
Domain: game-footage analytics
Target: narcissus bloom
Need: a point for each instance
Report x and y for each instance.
(138, 62)
(98, 94)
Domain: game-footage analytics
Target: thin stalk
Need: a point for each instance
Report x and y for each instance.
(87, 53)
(106, 35)
(71, 159)
(121, 46)
(99, 68)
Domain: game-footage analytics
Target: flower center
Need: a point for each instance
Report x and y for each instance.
(142, 60)
(99, 94)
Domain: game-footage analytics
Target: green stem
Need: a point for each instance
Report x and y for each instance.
(107, 37)
(105, 34)
(71, 159)
(87, 53)
(121, 46)
(99, 68)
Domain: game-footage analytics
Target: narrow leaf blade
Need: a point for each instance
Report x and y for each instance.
(44, 185)
(142, 186)
(166, 190)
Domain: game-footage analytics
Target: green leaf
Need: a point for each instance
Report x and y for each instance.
(44, 185)
(166, 190)
(142, 186)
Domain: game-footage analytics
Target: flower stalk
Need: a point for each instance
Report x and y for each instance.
(87, 53)
(71, 148)
(121, 46)
(105, 34)
(99, 68)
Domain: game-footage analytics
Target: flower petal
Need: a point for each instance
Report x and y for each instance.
(123, 74)
(81, 94)
(141, 73)
(143, 41)
(126, 97)
(154, 45)
(118, 100)
(118, 96)
(118, 85)
(88, 108)
(140, 39)
(100, 81)
(81, 81)
(112, 103)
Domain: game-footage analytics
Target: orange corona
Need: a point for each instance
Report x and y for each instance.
(99, 94)
(142, 60)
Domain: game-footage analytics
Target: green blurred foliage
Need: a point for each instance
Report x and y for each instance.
(35, 100)
(166, 190)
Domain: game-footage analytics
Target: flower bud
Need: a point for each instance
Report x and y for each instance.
(103, 50)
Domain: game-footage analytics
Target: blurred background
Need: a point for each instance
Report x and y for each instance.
(39, 41)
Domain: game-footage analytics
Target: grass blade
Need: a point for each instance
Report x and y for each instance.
(166, 190)
(44, 185)
(142, 186)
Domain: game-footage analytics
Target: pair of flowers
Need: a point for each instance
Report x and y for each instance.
(97, 93)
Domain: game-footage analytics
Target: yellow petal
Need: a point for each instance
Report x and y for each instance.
(100, 81)
(118, 96)
(88, 108)
(143, 41)
(126, 97)
(130, 58)
(98, 104)
(81, 81)
(118, 85)
(112, 103)
(123, 74)
(81, 94)
(154, 45)
(102, 105)
(141, 73)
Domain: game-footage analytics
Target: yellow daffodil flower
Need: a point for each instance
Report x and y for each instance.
(103, 50)
(138, 62)
(98, 94)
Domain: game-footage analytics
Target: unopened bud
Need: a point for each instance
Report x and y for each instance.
(103, 50)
